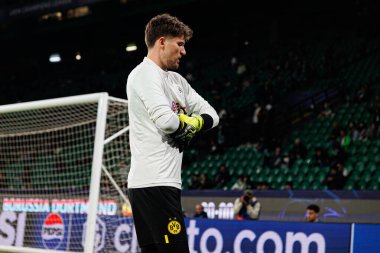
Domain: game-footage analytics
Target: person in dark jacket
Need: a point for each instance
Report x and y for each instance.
(200, 212)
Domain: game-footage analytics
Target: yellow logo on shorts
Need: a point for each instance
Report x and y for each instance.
(174, 227)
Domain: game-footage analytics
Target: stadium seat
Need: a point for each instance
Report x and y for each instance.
(362, 185)
(308, 185)
(374, 186)
(350, 185)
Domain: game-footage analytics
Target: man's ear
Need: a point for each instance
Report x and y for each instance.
(161, 41)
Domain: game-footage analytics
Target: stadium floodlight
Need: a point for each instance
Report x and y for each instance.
(131, 47)
(78, 57)
(55, 58)
(65, 163)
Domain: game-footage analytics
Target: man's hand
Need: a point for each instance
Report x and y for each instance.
(195, 121)
(189, 126)
(245, 200)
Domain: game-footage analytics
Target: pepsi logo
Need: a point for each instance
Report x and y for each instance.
(53, 231)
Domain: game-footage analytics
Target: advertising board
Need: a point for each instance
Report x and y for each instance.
(12, 228)
(66, 232)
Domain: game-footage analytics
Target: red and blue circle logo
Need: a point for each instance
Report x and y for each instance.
(53, 231)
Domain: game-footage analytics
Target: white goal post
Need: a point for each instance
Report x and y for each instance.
(63, 176)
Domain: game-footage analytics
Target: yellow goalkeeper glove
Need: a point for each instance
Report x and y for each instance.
(189, 126)
(195, 121)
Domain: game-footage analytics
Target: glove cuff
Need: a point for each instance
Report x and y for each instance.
(208, 122)
(201, 122)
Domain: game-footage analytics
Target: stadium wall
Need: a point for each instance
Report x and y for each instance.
(336, 206)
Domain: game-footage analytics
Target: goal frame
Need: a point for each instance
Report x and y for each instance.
(101, 119)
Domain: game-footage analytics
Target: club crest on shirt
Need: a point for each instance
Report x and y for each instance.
(174, 227)
(177, 108)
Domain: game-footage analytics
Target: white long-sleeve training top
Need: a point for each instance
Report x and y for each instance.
(154, 99)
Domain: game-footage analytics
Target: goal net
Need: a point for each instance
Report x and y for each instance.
(63, 176)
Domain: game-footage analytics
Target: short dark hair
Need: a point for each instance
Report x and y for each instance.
(248, 193)
(313, 207)
(165, 25)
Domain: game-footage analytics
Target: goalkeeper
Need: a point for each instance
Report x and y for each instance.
(165, 113)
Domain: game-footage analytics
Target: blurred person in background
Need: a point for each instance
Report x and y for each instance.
(247, 207)
(256, 122)
(275, 160)
(345, 140)
(312, 213)
(205, 182)
(373, 131)
(327, 112)
(335, 179)
(241, 183)
(320, 157)
(200, 212)
(298, 151)
(195, 183)
(223, 177)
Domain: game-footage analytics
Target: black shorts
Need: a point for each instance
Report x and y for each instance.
(158, 217)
